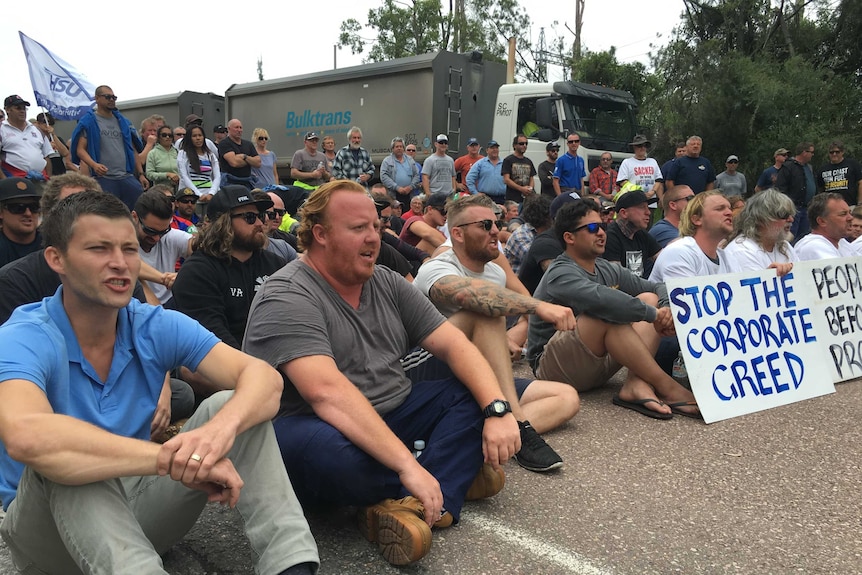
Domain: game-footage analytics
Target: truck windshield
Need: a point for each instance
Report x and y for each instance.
(602, 124)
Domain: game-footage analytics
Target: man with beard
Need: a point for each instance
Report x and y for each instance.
(830, 219)
(620, 320)
(352, 162)
(628, 242)
(518, 171)
(160, 244)
(761, 235)
(185, 218)
(218, 281)
(19, 214)
(336, 326)
(469, 289)
(705, 223)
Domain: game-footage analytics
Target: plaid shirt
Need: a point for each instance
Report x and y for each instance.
(602, 180)
(518, 245)
(346, 168)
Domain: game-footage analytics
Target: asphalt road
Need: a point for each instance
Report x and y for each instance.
(775, 492)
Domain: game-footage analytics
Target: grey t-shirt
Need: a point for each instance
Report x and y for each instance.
(440, 170)
(731, 185)
(305, 162)
(297, 314)
(112, 151)
(448, 264)
(163, 257)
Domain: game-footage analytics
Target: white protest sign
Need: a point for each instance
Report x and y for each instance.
(748, 341)
(836, 312)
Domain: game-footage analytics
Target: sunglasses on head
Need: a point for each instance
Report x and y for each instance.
(19, 208)
(593, 227)
(153, 232)
(486, 224)
(250, 217)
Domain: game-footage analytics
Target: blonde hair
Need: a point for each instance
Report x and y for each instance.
(313, 211)
(259, 132)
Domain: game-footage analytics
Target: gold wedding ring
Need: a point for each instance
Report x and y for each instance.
(196, 457)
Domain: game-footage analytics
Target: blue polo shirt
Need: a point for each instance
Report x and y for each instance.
(40, 346)
(570, 171)
(695, 173)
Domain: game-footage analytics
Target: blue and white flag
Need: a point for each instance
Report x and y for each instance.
(59, 88)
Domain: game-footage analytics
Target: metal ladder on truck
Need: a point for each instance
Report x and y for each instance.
(453, 108)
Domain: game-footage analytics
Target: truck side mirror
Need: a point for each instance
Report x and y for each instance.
(547, 135)
(547, 119)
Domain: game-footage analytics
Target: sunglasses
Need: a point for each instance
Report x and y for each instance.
(250, 217)
(410, 150)
(151, 232)
(684, 199)
(108, 96)
(783, 215)
(521, 143)
(573, 141)
(486, 224)
(187, 201)
(441, 210)
(592, 228)
(385, 219)
(262, 138)
(733, 162)
(166, 135)
(834, 151)
(18, 208)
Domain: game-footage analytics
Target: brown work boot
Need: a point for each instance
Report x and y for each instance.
(488, 482)
(399, 529)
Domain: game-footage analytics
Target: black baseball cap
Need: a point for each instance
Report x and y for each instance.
(12, 188)
(15, 100)
(220, 129)
(233, 196)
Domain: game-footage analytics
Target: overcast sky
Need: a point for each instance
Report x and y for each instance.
(197, 46)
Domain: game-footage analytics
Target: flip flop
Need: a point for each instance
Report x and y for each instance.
(639, 405)
(675, 408)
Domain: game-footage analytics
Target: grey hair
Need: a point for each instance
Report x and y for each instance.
(395, 140)
(694, 138)
(354, 129)
(761, 209)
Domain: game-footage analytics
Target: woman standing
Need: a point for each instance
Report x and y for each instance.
(198, 166)
(329, 152)
(267, 173)
(162, 159)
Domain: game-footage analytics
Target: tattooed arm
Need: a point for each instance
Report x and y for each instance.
(489, 299)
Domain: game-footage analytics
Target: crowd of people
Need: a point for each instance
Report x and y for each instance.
(178, 330)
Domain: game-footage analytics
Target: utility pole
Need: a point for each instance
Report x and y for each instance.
(579, 22)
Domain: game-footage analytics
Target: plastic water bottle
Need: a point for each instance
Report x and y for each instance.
(418, 447)
(680, 373)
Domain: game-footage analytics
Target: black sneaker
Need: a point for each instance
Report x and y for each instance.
(535, 454)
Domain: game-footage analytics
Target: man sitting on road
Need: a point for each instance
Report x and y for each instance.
(80, 374)
(830, 219)
(469, 289)
(628, 242)
(620, 320)
(421, 231)
(673, 203)
(336, 326)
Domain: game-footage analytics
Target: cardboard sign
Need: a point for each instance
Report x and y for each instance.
(749, 341)
(836, 310)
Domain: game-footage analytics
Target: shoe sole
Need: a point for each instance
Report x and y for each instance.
(487, 483)
(538, 469)
(401, 536)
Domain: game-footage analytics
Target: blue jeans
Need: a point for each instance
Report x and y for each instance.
(800, 226)
(326, 469)
(127, 189)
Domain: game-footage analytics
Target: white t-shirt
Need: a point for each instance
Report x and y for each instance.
(744, 254)
(24, 149)
(817, 247)
(683, 258)
(448, 264)
(644, 172)
(163, 257)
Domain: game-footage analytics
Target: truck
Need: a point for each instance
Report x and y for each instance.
(460, 95)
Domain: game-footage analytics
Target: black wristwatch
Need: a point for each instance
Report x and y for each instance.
(497, 408)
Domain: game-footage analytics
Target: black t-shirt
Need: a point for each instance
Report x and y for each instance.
(546, 178)
(545, 246)
(11, 251)
(244, 147)
(635, 254)
(521, 171)
(390, 258)
(31, 279)
(842, 178)
(218, 293)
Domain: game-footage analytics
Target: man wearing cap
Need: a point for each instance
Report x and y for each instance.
(399, 173)
(107, 143)
(421, 231)
(603, 178)
(770, 174)
(486, 177)
(642, 171)
(24, 151)
(19, 214)
(217, 283)
(796, 180)
(546, 170)
(219, 134)
(160, 245)
(569, 172)
(438, 170)
(352, 162)
(731, 182)
(841, 175)
(628, 242)
(308, 165)
(61, 158)
(692, 169)
(237, 156)
(465, 162)
(185, 217)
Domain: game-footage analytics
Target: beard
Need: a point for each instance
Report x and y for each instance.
(249, 242)
(355, 146)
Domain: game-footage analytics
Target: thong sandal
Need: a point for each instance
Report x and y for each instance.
(639, 405)
(675, 408)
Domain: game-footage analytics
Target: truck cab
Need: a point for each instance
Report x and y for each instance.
(603, 117)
